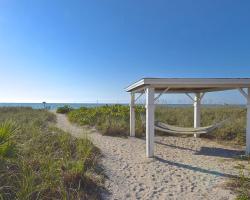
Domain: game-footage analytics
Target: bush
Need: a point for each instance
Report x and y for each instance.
(64, 110)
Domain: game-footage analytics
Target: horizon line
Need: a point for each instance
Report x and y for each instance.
(117, 103)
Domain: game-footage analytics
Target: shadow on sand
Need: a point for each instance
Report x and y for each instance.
(219, 152)
(208, 151)
(176, 147)
(196, 169)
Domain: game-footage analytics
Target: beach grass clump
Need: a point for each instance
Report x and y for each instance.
(47, 163)
(241, 184)
(64, 109)
(109, 120)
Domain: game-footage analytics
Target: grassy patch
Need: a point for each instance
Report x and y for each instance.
(241, 184)
(64, 110)
(45, 163)
(114, 120)
(109, 120)
(234, 130)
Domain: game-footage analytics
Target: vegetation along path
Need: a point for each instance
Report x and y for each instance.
(184, 168)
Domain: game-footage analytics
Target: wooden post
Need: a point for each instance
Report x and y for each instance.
(248, 124)
(150, 129)
(132, 115)
(197, 112)
(247, 96)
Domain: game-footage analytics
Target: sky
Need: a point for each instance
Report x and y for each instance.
(90, 50)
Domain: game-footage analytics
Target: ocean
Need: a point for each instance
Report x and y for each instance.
(54, 106)
(51, 106)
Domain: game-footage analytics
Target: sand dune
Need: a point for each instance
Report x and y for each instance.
(183, 168)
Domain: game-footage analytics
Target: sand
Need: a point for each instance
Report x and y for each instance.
(183, 168)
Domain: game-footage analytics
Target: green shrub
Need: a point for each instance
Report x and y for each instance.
(7, 146)
(64, 110)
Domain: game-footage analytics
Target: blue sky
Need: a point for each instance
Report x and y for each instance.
(89, 50)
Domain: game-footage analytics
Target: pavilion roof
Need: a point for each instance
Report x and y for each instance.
(186, 85)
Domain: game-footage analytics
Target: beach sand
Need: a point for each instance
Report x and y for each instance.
(183, 168)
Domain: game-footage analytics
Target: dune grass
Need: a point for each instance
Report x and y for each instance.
(114, 120)
(109, 120)
(234, 130)
(64, 110)
(40, 161)
(241, 184)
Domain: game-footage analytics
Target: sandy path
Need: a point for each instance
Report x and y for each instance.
(184, 168)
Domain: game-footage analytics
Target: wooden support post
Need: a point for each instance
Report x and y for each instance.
(132, 115)
(197, 112)
(247, 96)
(150, 129)
(248, 124)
